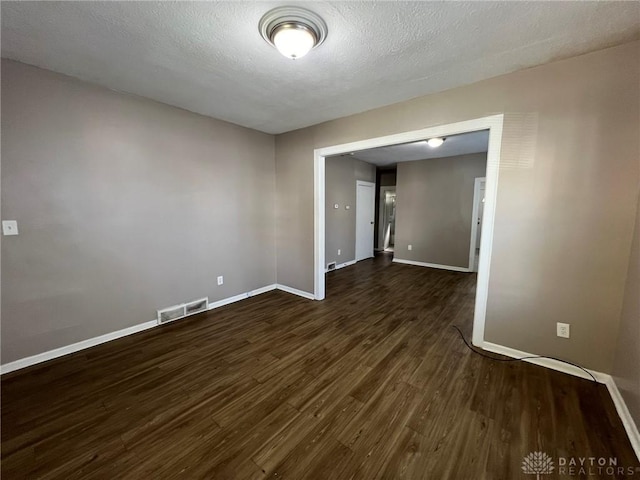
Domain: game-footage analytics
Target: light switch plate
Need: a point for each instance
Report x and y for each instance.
(9, 227)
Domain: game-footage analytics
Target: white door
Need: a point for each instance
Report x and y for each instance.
(365, 211)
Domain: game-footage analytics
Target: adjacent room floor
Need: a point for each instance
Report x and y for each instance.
(371, 383)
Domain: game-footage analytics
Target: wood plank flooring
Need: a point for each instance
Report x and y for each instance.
(371, 383)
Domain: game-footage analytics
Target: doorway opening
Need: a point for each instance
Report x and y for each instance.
(494, 126)
(387, 218)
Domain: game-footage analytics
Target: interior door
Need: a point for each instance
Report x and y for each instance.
(365, 211)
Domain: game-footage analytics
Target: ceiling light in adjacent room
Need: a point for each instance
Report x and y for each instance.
(293, 31)
(435, 142)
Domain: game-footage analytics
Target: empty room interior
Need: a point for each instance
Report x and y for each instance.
(320, 240)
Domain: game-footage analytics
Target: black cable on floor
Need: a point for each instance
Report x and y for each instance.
(473, 349)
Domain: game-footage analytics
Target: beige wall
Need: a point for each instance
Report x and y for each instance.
(341, 175)
(434, 204)
(124, 206)
(626, 367)
(566, 195)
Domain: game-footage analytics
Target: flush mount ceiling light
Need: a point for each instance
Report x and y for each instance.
(294, 31)
(435, 142)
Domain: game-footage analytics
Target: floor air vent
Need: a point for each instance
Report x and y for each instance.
(180, 311)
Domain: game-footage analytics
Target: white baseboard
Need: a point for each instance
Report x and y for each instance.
(342, 265)
(545, 362)
(431, 265)
(227, 301)
(74, 347)
(92, 342)
(295, 291)
(259, 291)
(345, 264)
(242, 296)
(627, 420)
(621, 407)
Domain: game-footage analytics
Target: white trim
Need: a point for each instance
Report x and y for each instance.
(627, 420)
(74, 347)
(488, 221)
(618, 401)
(318, 225)
(107, 337)
(261, 290)
(474, 221)
(431, 265)
(295, 291)
(544, 362)
(494, 124)
(341, 265)
(345, 264)
(242, 296)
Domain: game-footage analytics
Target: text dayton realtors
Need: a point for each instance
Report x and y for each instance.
(593, 466)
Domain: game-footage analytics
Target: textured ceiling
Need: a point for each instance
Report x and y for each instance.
(475, 142)
(208, 57)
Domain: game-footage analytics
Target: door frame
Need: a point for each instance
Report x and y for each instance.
(474, 223)
(364, 183)
(494, 124)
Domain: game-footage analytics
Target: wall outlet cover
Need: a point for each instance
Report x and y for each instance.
(9, 227)
(409, 247)
(563, 330)
(220, 280)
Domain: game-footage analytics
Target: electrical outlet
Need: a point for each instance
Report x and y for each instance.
(409, 247)
(9, 227)
(339, 252)
(563, 330)
(220, 280)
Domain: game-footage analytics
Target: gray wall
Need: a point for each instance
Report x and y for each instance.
(124, 206)
(434, 203)
(566, 202)
(626, 367)
(341, 175)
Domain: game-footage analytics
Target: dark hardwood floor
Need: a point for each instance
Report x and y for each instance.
(371, 383)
